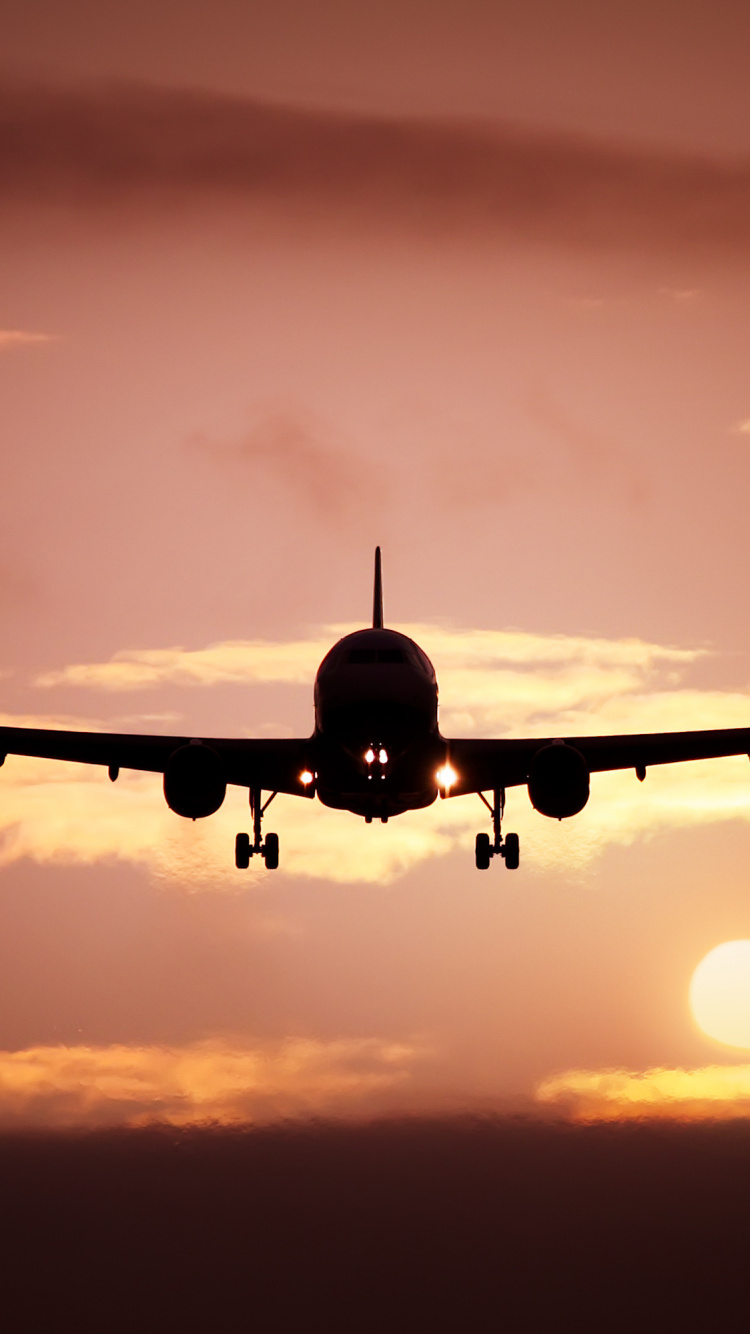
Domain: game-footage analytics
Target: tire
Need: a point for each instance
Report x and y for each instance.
(512, 852)
(242, 852)
(483, 852)
(271, 851)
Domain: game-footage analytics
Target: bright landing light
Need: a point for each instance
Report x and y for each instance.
(446, 776)
(720, 993)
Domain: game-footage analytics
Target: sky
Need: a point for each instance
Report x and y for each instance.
(281, 282)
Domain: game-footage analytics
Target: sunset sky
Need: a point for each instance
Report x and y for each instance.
(281, 281)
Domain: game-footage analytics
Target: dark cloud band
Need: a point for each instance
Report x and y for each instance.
(123, 145)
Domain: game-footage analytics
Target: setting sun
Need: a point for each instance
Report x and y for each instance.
(720, 993)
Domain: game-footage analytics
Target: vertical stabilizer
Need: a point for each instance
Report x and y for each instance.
(377, 596)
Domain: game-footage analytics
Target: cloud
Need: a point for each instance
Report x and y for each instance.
(23, 338)
(57, 813)
(106, 146)
(681, 294)
(475, 666)
(709, 1093)
(64, 814)
(234, 661)
(211, 1081)
(597, 456)
(326, 479)
(493, 683)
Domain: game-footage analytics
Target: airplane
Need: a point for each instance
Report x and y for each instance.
(376, 750)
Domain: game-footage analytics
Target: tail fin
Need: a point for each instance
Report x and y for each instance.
(377, 596)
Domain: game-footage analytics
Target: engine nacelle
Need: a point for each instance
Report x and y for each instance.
(195, 782)
(558, 781)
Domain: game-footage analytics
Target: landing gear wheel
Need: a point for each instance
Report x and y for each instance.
(483, 852)
(512, 852)
(271, 851)
(242, 852)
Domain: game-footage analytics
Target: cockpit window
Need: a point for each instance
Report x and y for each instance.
(370, 655)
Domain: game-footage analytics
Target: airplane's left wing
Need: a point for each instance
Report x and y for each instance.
(481, 766)
(273, 764)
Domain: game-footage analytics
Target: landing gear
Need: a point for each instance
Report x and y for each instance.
(242, 852)
(271, 851)
(486, 848)
(483, 852)
(244, 849)
(511, 852)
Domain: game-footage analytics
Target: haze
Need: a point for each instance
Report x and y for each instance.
(470, 282)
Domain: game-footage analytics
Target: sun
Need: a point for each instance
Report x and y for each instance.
(720, 993)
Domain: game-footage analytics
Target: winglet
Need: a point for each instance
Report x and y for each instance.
(377, 596)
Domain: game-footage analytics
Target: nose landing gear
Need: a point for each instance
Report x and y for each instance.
(244, 849)
(486, 848)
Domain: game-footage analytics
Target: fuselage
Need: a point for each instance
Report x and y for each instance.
(377, 742)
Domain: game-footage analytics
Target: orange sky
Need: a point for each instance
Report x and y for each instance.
(471, 282)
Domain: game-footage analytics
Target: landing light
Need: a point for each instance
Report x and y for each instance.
(382, 756)
(446, 776)
(369, 756)
(306, 777)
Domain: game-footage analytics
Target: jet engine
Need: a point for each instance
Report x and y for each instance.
(195, 783)
(558, 781)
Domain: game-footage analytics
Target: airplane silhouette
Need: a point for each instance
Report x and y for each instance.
(375, 750)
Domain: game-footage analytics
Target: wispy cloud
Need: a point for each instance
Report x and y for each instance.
(23, 338)
(492, 683)
(234, 661)
(105, 146)
(211, 1081)
(511, 669)
(597, 456)
(294, 451)
(680, 294)
(65, 814)
(707, 1093)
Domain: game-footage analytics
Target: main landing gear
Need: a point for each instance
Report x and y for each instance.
(507, 847)
(244, 849)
